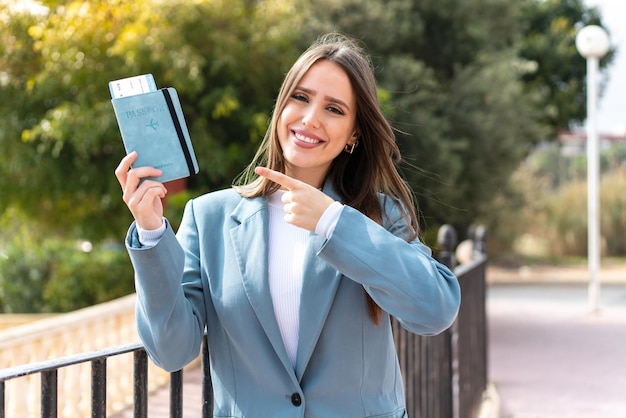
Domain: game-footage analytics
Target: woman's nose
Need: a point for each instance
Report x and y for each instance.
(311, 118)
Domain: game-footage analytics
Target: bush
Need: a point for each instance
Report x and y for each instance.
(60, 275)
(613, 213)
(536, 218)
(563, 221)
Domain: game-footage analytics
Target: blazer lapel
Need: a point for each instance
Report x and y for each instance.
(250, 239)
(321, 281)
(318, 292)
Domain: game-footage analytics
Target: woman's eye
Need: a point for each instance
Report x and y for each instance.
(299, 96)
(335, 110)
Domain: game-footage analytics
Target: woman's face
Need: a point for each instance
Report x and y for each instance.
(317, 122)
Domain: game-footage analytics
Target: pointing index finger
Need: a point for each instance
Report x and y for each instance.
(277, 177)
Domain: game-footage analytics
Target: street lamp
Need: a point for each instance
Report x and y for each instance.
(592, 43)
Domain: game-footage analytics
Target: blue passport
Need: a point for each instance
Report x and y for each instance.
(153, 124)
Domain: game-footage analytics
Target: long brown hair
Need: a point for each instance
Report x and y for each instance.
(359, 177)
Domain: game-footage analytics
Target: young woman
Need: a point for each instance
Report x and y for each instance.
(294, 273)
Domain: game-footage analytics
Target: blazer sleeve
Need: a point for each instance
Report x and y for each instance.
(170, 303)
(401, 277)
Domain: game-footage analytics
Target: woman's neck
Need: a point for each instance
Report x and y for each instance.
(311, 176)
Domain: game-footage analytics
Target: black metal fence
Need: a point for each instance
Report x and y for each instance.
(48, 371)
(445, 375)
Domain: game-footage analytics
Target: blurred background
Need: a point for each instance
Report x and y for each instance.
(487, 96)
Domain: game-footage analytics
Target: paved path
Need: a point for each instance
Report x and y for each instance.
(550, 357)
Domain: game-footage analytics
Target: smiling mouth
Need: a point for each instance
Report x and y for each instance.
(306, 139)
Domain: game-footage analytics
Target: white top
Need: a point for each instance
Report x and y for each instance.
(287, 245)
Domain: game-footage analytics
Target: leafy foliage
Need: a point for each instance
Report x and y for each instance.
(454, 79)
(544, 210)
(470, 86)
(467, 85)
(40, 275)
(226, 59)
(549, 44)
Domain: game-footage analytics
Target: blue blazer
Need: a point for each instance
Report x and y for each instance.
(213, 274)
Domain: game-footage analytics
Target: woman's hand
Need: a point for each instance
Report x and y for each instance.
(304, 204)
(143, 200)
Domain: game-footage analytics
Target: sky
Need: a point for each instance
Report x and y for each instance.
(611, 114)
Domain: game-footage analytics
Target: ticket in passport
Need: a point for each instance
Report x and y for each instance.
(132, 86)
(152, 123)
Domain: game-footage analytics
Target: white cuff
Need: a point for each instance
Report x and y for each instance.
(150, 237)
(326, 225)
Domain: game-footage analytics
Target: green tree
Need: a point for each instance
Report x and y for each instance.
(550, 28)
(452, 72)
(465, 83)
(472, 87)
(61, 143)
(226, 59)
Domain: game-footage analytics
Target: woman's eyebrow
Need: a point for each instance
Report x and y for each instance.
(329, 98)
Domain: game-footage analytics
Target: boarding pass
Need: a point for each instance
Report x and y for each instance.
(131, 86)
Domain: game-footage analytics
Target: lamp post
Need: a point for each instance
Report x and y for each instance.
(592, 43)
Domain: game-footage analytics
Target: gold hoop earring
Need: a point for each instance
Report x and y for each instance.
(349, 148)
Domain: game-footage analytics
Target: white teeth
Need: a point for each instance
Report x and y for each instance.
(306, 138)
